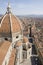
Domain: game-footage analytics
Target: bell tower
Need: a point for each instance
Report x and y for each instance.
(30, 33)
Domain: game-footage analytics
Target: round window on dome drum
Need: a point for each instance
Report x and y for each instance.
(17, 36)
(6, 39)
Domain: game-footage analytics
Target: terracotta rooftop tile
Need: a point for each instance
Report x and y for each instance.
(26, 32)
(39, 44)
(33, 27)
(3, 50)
(15, 24)
(41, 52)
(12, 58)
(6, 24)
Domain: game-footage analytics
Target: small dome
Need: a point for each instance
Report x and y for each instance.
(19, 43)
(25, 39)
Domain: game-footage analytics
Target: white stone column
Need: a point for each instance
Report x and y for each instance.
(29, 53)
(20, 53)
(17, 58)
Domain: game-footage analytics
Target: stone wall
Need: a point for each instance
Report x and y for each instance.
(16, 37)
(19, 56)
(29, 52)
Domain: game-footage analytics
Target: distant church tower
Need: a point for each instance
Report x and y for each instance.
(30, 33)
(29, 30)
(33, 27)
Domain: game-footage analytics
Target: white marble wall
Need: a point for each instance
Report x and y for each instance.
(21, 53)
(29, 52)
(14, 39)
(19, 57)
(24, 54)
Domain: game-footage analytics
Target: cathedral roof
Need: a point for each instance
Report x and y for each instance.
(10, 23)
(5, 27)
(12, 58)
(3, 50)
(16, 24)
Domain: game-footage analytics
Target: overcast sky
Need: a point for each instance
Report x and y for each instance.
(23, 7)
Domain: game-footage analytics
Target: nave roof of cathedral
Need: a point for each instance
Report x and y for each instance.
(4, 46)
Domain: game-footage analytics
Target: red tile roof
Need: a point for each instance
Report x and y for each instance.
(3, 50)
(41, 52)
(12, 58)
(15, 24)
(7, 24)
